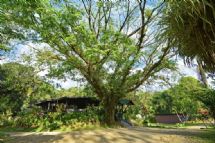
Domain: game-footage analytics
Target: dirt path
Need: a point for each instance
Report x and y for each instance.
(135, 135)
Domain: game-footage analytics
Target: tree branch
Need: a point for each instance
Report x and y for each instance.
(147, 73)
(149, 19)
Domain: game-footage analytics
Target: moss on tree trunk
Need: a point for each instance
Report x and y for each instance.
(110, 104)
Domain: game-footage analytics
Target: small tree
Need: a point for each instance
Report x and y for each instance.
(181, 98)
(112, 44)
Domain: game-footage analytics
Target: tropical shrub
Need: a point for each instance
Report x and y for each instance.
(36, 118)
(6, 119)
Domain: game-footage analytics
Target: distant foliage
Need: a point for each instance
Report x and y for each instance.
(207, 97)
(19, 85)
(181, 98)
(142, 111)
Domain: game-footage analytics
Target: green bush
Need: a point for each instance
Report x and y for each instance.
(35, 118)
(6, 119)
(139, 115)
(27, 118)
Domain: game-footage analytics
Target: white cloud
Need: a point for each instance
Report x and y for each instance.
(187, 70)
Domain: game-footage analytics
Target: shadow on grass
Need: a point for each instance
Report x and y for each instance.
(97, 136)
(33, 138)
(142, 135)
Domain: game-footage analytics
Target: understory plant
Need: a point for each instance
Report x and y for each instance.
(36, 118)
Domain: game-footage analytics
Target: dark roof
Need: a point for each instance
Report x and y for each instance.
(125, 102)
(80, 102)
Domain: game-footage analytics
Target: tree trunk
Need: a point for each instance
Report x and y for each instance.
(202, 74)
(213, 116)
(110, 103)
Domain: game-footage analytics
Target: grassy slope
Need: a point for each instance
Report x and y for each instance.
(205, 137)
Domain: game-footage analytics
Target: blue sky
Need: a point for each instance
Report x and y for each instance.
(26, 49)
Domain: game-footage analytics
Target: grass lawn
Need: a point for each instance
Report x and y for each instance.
(3, 137)
(175, 126)
(207, 136)
(13, 129)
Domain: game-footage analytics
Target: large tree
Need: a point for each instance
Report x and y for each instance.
(114, 45)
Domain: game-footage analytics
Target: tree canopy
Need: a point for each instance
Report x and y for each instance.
(20, 85)
(114, 45)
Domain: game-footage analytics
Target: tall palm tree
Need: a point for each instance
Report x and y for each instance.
(202, 74)
(190, 26)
